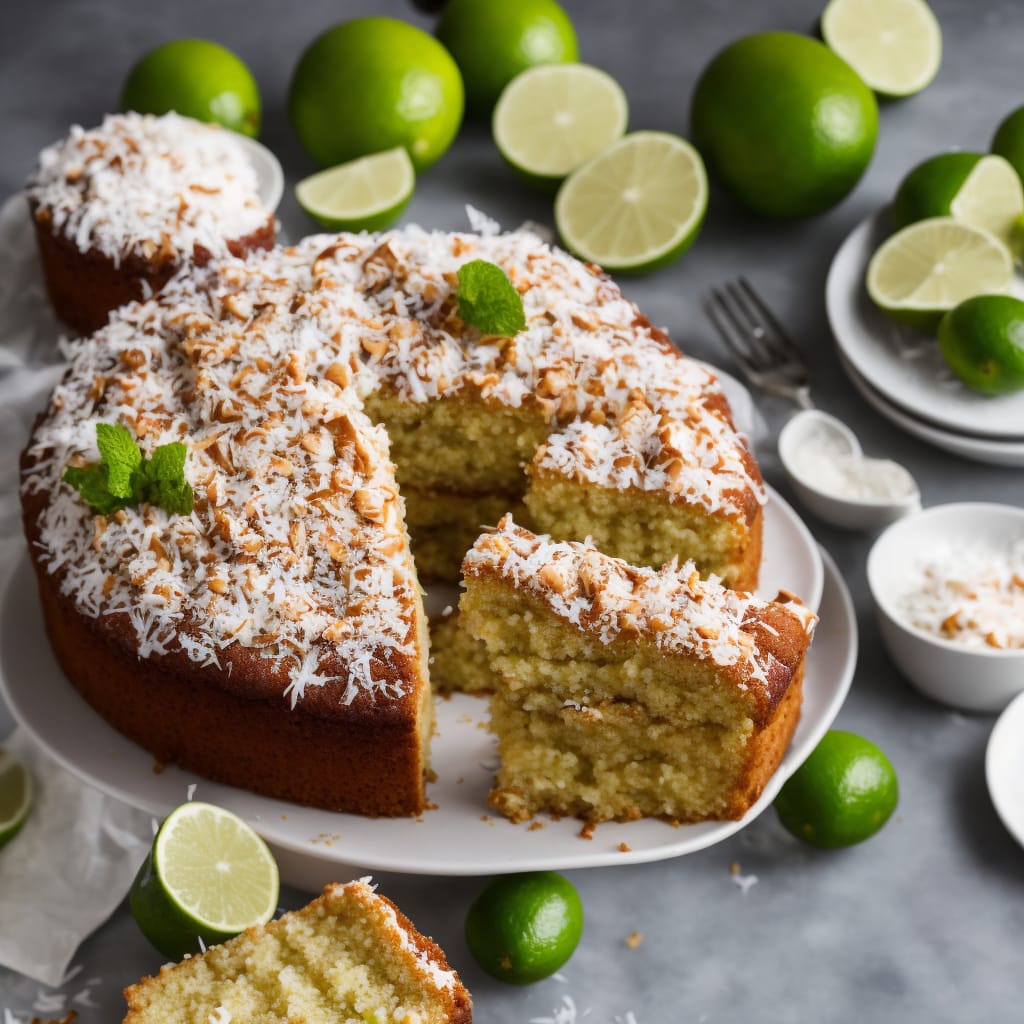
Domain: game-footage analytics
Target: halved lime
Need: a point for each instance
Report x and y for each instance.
(367, 194)
(894, 45)
(983, 191)
(637, 205)
(208, 877)
(929, 267)
(555, 117)
(15, 796)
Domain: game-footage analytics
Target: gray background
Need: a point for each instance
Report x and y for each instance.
(923, 923)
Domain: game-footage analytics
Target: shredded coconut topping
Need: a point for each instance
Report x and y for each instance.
(296, 546)
(154, 187)
(671, 606)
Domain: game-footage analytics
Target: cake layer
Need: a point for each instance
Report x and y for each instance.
(348, 957)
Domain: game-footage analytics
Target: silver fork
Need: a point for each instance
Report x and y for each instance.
(758, 343)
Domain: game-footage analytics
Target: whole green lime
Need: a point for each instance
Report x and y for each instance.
(982, 340)
(784, 124)
(372, 84)
(842, 794)
(492, 41)
(1008, 141)
(522, 928)
(195, 78)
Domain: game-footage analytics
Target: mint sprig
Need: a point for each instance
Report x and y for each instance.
(488, 300)
(124, 477)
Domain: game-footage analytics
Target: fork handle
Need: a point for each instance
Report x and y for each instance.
(802, 397)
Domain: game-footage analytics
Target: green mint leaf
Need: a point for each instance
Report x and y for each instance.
(120, 455)
(92, 485)
(488, 300)
(164, 482)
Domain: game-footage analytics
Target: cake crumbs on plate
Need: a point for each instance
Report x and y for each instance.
(535, 826)
(588, 830)
(625, 848)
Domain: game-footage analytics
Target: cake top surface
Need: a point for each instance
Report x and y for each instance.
(672, 606)
(146, 186)
(296, 545)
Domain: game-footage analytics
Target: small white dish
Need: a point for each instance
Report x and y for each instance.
(835, 480)
(974, 678)
(978, 449)
(269, 174)
(1004, 768)
(904, 366)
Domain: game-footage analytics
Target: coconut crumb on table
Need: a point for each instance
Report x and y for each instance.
(634, 939)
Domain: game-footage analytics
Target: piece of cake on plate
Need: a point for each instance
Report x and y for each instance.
(626, 692)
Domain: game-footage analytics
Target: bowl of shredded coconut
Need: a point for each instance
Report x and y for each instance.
(948, 587)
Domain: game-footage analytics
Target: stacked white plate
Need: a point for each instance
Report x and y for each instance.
(902, 374)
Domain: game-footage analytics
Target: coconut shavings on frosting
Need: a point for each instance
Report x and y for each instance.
(610, 599)
(152, 187)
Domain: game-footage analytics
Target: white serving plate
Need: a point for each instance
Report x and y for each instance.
(461, 836)
(904, 366)
(269, 175)
(1004, 767)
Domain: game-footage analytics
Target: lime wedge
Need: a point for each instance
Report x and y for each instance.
(15, 796)
(931, 266)
(208, 877)
(991, 198)
(637, 205)
(552, 118)
(894, 45)
(367, 194)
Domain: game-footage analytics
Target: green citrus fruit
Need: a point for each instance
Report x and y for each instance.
(555, 117)
(1008, 141)
(492, 41)
(372, 84)
(841, 795)
(367, 194)
(15, 796)
(195, 78)
(637, 205)
(894, 45)
(522, 928)
(983, 191)
(208, 876)
(982, 340)
(785, 125)
(923, 271)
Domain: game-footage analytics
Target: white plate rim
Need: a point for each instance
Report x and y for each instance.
(857, 327)
(992, 452)
(269, 173)
(832, 660)
(1004, 761)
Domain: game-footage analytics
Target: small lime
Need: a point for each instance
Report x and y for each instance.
(522, 928)
(208, 877)
(372, 84)
(492, 41)
(15, 796)
(842, 794)
(195, 78)
(982, 340)
(785, 125)
(894, 45)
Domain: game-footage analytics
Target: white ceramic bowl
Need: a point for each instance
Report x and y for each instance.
(972, 678)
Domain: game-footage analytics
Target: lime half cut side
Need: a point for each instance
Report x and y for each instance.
(991, 197)
(552, 118)
(894, 45)
(15, 796)
(367, 194)
(929, 267)
(208, 877)
(637, 205)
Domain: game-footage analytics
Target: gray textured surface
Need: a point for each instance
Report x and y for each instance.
(923, 923)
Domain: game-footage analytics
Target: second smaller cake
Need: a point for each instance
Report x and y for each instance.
(119, 208)
(627, 692)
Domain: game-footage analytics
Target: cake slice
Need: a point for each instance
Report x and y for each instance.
(348, 957)
(629, 692)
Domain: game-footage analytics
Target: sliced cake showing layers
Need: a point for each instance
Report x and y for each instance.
(349, 957)
(628, 692)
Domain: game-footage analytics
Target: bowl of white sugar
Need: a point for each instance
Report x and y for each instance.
(948, 587)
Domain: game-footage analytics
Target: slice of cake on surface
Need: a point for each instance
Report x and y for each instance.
(348, 957)
(119, 208)
(629, 692)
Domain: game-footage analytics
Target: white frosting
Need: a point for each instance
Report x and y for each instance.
(148, 186)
